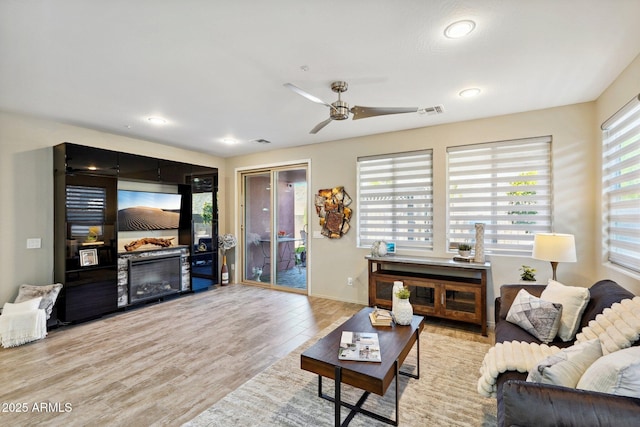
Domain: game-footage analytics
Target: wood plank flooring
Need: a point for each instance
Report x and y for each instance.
(162, 364)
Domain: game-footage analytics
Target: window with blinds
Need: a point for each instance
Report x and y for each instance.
(621, 186)
(507, 186)
(85, 208)
(395, 199)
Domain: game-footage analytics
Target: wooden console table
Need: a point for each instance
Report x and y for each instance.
(440, 287)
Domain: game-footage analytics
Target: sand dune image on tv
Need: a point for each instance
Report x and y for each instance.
(145, 218)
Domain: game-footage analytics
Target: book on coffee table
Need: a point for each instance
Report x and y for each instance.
(359, 346)
(380, 317)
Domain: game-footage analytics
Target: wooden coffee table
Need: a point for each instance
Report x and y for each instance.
(395, 343)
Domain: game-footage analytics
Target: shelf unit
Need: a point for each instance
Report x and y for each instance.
(92, 173)
(439, 287)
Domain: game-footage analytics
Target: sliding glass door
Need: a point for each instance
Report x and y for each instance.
(275, 203)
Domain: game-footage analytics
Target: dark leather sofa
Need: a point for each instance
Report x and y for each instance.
(530, 404)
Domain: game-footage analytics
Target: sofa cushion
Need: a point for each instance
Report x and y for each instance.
(574, 300)
(48, 293)
(538, 317)
(616, 373)
(566, 367)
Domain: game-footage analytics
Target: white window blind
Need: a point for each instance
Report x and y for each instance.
(85, 208)
(621, 186)
(395, 199)
(507, 186)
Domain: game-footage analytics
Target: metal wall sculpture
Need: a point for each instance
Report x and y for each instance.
(332, 208)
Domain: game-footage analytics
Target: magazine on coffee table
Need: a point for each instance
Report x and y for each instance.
(359, 346)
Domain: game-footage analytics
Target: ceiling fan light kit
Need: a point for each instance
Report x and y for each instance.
(339, 110)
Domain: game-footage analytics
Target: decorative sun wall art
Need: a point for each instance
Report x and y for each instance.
(332, 208)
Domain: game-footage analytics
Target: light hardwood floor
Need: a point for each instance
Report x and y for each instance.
(162, 364)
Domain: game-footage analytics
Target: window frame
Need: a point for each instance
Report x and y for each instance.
(621, 187)
(398, 168)
(489, 200)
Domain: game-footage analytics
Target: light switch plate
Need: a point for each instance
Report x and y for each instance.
(35, 243)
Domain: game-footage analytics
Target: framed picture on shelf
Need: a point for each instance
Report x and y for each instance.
(391, 247)
(88, 257)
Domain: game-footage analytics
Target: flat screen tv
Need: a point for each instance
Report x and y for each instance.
(144, 210)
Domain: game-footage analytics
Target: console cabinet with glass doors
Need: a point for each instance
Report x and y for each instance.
(439, 287)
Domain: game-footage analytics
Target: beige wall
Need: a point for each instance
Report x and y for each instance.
(26, 176)
(334, 163)
(576, 156)
(26, 190)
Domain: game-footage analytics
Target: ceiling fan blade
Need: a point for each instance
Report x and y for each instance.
(307, 95)
(364, 112)
(320, 125)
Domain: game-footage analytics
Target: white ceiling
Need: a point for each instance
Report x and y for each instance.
(216, 69)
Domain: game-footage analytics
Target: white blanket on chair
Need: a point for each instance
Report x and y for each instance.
(616, 327)
(21, 328)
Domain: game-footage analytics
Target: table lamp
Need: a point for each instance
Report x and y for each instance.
(554, 247)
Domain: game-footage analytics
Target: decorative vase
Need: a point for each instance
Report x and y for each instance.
(397, 285)
(224, 272)
(403, 313)
(464, 253)
(379, 248)
(479, 255)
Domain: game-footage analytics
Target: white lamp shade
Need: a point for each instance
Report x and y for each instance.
(554, 247)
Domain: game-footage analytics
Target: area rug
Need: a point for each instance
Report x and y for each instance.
(285, 395)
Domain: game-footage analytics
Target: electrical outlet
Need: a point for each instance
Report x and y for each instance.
(233, 267)
(350, 281)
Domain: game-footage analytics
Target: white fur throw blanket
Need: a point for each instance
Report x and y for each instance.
(616, 327)
(21, 328)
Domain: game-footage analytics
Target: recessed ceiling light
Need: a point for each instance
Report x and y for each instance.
(157, 120)
(459, 29)
(469, 93)
(229, 141)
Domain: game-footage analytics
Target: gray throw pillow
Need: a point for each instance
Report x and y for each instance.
(49, 294)
(538, 317)
(566, 367)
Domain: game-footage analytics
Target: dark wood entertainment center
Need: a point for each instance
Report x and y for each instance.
(440, 287)
(86, 198)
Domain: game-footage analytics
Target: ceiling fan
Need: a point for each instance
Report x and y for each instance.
(339, 110)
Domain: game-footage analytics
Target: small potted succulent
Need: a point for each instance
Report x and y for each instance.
(403, 313)
(528, 274)
(464, 249)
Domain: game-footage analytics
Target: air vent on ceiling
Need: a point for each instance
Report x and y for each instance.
(430, 111)
(262, 141)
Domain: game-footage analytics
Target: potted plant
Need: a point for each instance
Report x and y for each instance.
(464, 249)
(404, 312)
(528, 274)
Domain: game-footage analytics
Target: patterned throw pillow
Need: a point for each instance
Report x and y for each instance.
(49, 294)
(538, 317)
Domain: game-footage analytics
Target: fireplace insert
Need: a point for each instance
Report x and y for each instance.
(154, 277)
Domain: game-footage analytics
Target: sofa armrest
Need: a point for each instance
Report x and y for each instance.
(534, 404)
